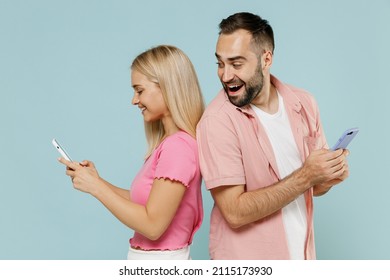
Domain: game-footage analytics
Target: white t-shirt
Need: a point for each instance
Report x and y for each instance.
(278, 129)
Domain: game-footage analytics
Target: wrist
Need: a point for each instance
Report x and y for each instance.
(303, 179)
(100, 188)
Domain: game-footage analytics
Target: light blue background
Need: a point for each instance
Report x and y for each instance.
(64, 73)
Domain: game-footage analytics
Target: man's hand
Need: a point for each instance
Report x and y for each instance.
(324, 166)
(324, 187)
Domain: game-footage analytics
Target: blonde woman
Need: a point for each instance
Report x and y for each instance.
(164, 204)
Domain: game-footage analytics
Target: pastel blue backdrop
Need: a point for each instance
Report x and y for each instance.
(64, 73)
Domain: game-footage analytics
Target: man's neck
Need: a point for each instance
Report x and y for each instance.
(267, 100)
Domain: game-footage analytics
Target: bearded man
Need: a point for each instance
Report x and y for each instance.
(263, 152)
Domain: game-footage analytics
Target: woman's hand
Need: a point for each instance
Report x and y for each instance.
(84, 175)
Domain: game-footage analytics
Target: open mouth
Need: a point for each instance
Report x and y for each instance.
(142, 109)
(234, 88)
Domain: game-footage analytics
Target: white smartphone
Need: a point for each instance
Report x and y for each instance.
(345, 138)
(61, 150)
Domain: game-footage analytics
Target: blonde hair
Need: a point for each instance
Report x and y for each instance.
(173, 71)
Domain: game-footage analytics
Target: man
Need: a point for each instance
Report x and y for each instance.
(262, 152)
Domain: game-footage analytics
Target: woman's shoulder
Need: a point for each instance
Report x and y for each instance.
(178, 147)
(179, 142)
(179, 138)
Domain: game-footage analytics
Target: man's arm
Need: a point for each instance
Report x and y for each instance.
(240, 207)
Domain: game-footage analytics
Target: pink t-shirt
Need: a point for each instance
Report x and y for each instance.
(176, 159)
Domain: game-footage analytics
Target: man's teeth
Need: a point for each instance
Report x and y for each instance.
(234, 88)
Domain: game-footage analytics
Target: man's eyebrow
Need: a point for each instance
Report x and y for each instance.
(238, 57)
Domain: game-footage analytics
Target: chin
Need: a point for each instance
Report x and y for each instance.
(238, 100)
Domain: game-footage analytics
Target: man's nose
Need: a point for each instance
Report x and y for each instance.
(227, 74)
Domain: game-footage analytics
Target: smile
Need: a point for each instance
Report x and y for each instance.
(234, 88)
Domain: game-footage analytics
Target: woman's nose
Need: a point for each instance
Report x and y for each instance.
(135, 99)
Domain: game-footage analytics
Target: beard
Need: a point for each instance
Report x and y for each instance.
(252, 89)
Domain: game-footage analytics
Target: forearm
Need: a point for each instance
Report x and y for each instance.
(119, 191)
(133, 215)
(252, 206)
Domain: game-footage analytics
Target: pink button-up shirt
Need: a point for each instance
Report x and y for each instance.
(234, 150)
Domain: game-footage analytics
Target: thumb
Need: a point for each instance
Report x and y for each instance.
(87, 163)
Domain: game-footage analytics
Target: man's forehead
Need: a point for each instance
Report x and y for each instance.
(234, 46)
(238, 35)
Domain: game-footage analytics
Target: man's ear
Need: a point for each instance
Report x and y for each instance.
(267, 59)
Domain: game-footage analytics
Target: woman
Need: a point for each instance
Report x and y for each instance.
(164, 205)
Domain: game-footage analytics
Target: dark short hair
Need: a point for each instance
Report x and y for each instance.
(262, 33)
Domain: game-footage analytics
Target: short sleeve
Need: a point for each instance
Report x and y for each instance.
(219, 153)
(177, 160)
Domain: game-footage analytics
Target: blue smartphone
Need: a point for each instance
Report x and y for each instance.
(345, 139)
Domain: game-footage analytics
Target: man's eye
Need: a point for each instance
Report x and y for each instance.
(219, 64)
(237, 65)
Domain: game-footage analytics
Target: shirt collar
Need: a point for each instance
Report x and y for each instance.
(283, 90)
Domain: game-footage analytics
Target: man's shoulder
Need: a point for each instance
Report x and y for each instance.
(219, 106)
(303, 95)
(300, 92)
(294, 92)
(220, 115)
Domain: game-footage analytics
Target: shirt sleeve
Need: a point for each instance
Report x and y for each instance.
(177, 161)
(219, 153)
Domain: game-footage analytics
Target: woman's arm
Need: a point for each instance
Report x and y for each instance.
(119, 191)
(150, 220)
